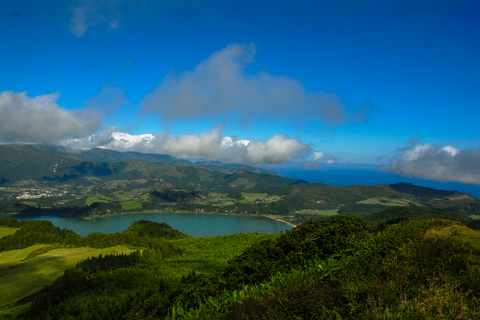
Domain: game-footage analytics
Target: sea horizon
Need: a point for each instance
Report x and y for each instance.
(341, 176)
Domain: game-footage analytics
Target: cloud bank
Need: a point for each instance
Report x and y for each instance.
(40, 119)
(440, 163)
(211, 146)
(220, 85)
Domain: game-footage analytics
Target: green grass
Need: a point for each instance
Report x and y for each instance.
(6, 231)
(386, 201)
(323, 212)
(99, 198)
(132, 194)
(30, 203)
(254, 196)
(19, 279)
(8, 258)
(251, 197)
(328, 212)
(131, 205)
(206, 254)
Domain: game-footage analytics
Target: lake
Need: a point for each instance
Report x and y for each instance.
(197, 225)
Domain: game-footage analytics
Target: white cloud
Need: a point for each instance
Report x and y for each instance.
(440, 163)
(92, 13)
(83, 17)
(211, 146)
(41, 119)
(324, 158)
(220, 86)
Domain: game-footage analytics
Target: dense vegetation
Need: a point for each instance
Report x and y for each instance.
(337, 267)
(387, 251)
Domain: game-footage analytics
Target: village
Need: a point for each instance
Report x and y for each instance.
(30, 193)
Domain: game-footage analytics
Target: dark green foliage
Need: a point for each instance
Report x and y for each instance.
(416, 213)
(361, 209)
(329, 268)
(418, 191)
(102, 288)
(109, 262)
(141, 233)
(144, 234)
(415, 270)
(9, 222)
(271, 190)
(177, 195)
(36, 231)
(295, 248)
(235, 194)
(145, 228)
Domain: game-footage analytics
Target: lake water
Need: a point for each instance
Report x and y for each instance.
(197, 225)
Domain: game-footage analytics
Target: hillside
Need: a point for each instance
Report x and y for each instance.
(331, 268)
(32, 151)
(53, 165)
(40, 179)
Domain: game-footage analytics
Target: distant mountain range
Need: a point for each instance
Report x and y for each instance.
(35, 161)
(46, 163)
(136, 181)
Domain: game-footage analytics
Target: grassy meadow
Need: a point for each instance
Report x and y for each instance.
(387, 201)
(6, 231)
(20, 278)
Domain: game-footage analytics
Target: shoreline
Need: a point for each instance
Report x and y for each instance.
(173, 212)
(279, 220)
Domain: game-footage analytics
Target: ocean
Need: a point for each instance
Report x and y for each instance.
(362, 175)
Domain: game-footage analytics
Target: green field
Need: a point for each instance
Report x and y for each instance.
(141, 194)
(19, 279)
(387, 202)
(328, 212)
(6, 231)
(131, 205)
(97, 198)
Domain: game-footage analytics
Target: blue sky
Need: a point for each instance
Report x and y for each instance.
(311, 84)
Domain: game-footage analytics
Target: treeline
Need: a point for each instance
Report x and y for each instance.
(35, 231)
(109, 262)
(142, 234)
(398, 213)
(361, 209)
(76, 209)
(169, 195)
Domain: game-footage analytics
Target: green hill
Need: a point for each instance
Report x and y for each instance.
(333, 268)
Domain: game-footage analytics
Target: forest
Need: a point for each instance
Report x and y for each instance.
(400, 263)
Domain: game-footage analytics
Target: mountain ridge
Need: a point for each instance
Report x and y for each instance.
(46, 179)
